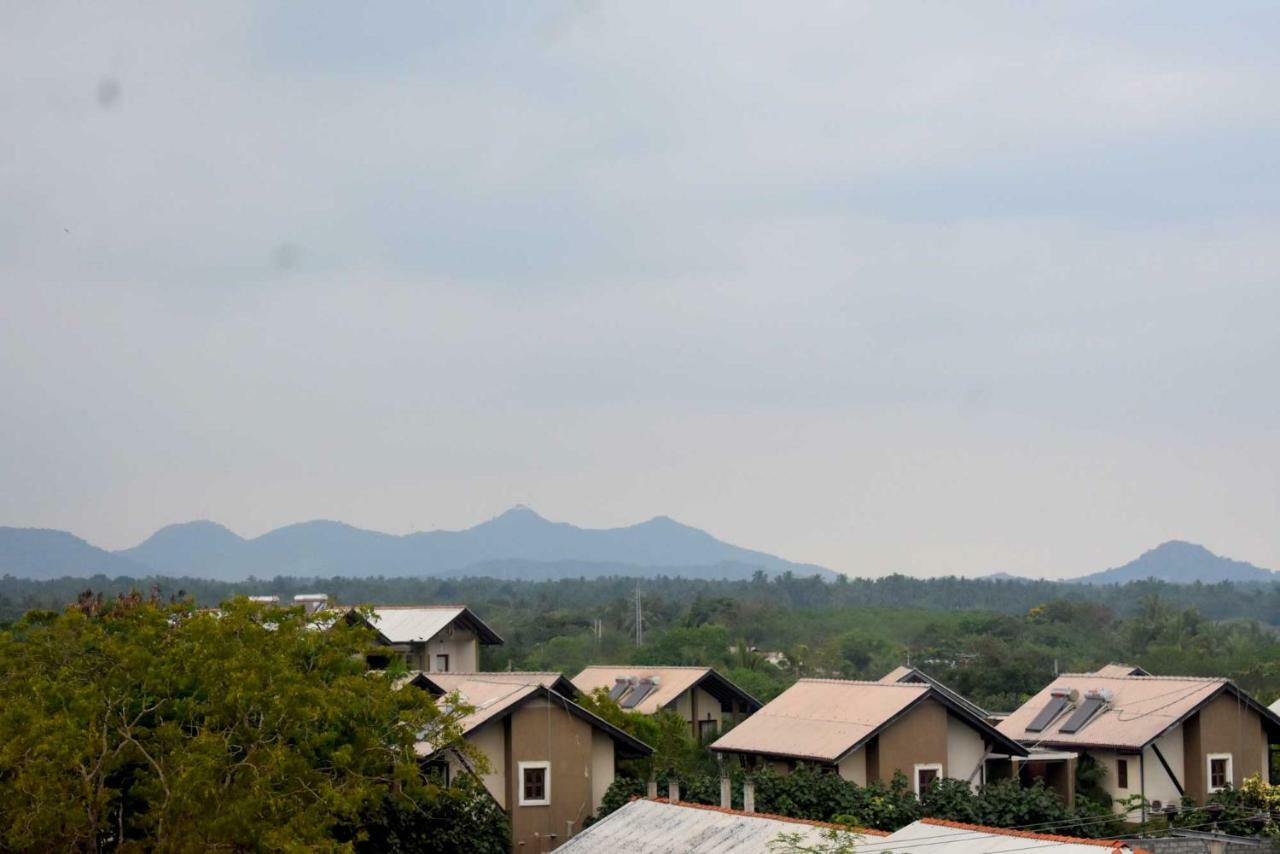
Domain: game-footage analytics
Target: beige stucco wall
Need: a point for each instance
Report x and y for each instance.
(965, 751)
(706, 706)
(545, 731)
(854, 767)
(1224, 725)
(602, 767)
(1158, 785)
(489, 740)
(918, 737)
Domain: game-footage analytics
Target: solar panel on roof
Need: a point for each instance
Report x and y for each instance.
(1057, 702)
(1083, 714)
(620, 687)
(637, 695)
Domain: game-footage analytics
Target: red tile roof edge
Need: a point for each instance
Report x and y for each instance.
(1026, 834)
(727, 811)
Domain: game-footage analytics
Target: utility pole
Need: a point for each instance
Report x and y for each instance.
(639, 617)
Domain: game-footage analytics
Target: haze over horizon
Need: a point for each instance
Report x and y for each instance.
(882, 288)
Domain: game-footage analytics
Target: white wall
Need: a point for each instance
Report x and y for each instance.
(463, 649)
(965, 751)
(707, 704)
(854, 767)
(602, 767)
(489, 740)
(1159, 786)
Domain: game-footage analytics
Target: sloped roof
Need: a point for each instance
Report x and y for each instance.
(672, 682)
(1139, 710)
(443, 683)
(903, 673)
(953, 837)
(825, 719)
(658, 826)
(418, 623)
(493, 699)
(1117, 669)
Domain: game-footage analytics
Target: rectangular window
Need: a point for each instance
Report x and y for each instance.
(442, 664)
(925, 775)
(1122, 773)
(1219, 771)
(707, 729)
(535, 784)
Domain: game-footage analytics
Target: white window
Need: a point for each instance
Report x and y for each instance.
(1219, 773)
(925, 775)
(535, 784)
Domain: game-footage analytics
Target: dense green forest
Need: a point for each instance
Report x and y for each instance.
(995, 641)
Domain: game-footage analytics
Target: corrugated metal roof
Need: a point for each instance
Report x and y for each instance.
(949, 837)
(1116, 669)
(658, 827)
(1139, 709)
(419, 623)
(672, 682)
(821, 719)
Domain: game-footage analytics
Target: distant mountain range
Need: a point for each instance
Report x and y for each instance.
(517, 544)
(1182, 563)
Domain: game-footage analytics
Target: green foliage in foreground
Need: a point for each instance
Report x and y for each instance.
(139, 726)
(819, 795)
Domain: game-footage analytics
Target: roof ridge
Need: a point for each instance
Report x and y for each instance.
(771, 816)
(1161, 678)
(1026, 834)
(639, 667)
(406, 607)
(925, 685)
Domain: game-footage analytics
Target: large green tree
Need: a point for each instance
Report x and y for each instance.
(138, 725)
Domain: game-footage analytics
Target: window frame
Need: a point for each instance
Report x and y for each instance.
(445, 656)
(1208, 771)
(545, 767)
(925, 766)
(708, 729)
(1122, 772)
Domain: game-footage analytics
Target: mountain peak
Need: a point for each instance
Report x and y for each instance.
(1181, 562)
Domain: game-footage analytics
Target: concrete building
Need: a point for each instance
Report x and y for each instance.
(430, 638)
(550, 760)
(866, 731)
(704, 698)
(1158, 737)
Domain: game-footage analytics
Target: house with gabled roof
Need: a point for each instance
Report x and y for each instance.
(1158, 737)
(550, 761)
(430, 638)
(867, 731)
(703, 697)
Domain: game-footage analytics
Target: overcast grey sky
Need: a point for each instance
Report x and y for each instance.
(925, 287)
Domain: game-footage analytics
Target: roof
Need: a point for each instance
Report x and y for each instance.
(1139, 709)
(826, 719)
(913, 674)
(953, 837)
(418, 623)
(658, 826)
(492, 699)
(1116, 669)
(672, 682)
(443, 683)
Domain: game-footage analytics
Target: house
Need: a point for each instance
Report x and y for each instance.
(1158, 737)
(953, 837)
(550, 760)
(657, 826)
(430, 638)
(704, 698)
(866, 731)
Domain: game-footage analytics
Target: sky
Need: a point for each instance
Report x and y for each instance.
(888, 287)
